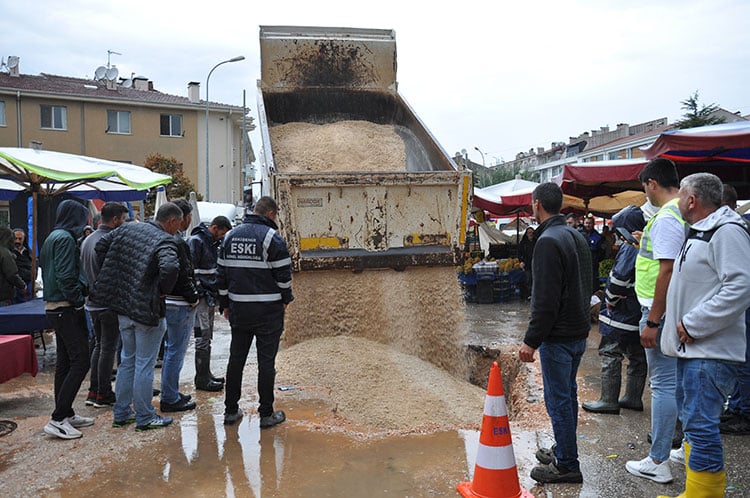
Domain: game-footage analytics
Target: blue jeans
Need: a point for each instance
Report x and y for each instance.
(267, 336)
(135, 375)
(663, 371)
(179, 325)
(739, 401)
(559, 368)
(703, 387)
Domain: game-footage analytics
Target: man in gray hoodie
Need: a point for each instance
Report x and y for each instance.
(704, 324)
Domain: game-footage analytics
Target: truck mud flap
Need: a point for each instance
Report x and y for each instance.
(360, 259)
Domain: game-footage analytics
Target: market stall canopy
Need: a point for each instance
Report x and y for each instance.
(722, 142)
(51, 173)
(490, 198)
(722, 149)
(600, 178)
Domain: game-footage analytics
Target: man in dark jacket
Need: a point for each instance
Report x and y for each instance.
(618, 325)
(559, 325)
(10, 280)
(64, 294)
(23, 260)
(180, 314)
(104, 320)
(139, 266)
(255, 286)
(204, 242)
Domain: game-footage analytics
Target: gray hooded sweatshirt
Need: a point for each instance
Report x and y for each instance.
(708, 290)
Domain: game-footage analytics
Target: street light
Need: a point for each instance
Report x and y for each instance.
(233, 59)
(484, 167)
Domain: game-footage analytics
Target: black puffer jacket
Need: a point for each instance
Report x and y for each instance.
(184, 289)
(561, 301)
(139, 265)
(204, 251)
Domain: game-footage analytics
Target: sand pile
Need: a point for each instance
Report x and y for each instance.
(378, 388)
(340, 146)
(418, 311)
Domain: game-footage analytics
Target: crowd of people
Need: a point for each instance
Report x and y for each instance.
(114, 294)
(675, 307)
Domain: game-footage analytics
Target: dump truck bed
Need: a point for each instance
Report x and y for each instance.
(357, 218)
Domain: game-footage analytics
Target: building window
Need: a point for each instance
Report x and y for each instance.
(54, 117)
(2, 113)
(4, 216)
(118, 122)
(171, 125)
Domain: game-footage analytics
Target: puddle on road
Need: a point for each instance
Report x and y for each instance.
(209, 459)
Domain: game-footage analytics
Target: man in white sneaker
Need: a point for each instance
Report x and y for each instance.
(64, 295)
(659, 246)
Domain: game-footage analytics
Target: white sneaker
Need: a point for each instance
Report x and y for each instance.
(63, 429)
(78, 421)
(647, 469)
(678, 455)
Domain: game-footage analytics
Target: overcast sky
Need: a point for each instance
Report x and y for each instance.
(501, 76)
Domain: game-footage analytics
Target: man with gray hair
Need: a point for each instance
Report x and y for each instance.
(139, 266)
(704, 324)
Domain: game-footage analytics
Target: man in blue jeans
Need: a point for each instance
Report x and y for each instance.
(181, 303)
(704, 325)
(659, 246)
(559, 325)
(139, 266)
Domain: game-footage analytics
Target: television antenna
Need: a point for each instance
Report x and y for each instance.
(109, 54)
(112, 73)
(100, 72)
(13, 61)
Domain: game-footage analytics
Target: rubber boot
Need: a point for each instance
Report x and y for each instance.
(633, 399)
(702, 484)
(611, 379)
(211, 376)
(202, 381)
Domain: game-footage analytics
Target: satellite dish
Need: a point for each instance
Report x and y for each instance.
(128, 83)
(12, 61)
(112, 73)
(100, 72)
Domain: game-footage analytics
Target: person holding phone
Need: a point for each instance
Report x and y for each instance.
(618, 324)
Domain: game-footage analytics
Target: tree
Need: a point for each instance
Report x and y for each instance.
(181, 185)
(697, 114)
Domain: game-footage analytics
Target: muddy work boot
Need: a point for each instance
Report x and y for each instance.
(202, 380)
(610, 389)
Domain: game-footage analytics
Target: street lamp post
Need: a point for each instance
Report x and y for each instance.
(484, 167)
(233, 59)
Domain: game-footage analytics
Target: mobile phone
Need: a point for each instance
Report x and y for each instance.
(627, 236)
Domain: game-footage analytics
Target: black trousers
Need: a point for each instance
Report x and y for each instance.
(107, 333)
(267, 337)
(71, 337)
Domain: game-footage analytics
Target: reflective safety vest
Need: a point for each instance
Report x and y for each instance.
(646, 267)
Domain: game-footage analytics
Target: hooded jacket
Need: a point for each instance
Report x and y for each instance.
(560, 303)
(60, 258)
(708, 290)
(9, 278)
(623, 311)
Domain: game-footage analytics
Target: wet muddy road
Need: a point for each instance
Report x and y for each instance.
(199, 456)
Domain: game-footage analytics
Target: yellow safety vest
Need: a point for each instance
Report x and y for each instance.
(646, 267)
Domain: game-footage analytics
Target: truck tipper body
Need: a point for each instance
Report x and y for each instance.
(358, 218)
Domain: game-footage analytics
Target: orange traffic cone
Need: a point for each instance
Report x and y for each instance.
(495, 474)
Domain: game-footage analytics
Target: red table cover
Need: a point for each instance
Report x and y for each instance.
(17, 356)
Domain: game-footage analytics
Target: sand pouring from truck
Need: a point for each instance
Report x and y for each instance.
(362, 186)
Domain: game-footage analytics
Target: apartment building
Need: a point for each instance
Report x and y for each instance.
(126, 119)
